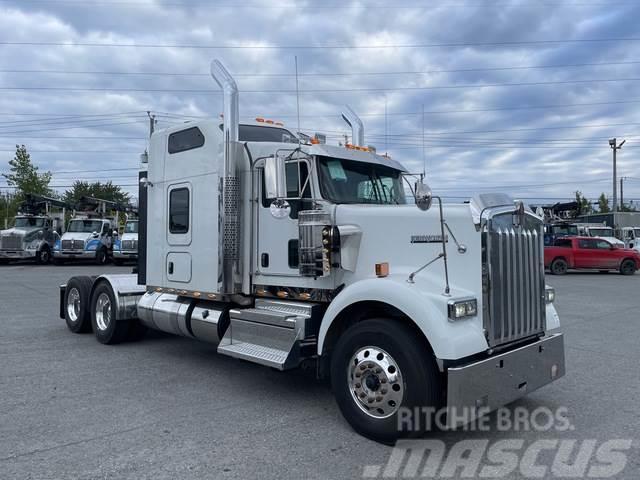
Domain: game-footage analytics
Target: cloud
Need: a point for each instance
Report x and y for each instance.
(501, 138)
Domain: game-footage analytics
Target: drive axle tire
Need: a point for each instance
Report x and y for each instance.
(628, 267)
(106, 327)
(558, 266)
(380, 370)
(76, 304)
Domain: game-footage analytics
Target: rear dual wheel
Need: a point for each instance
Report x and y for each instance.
(107, 328)
(76, 304)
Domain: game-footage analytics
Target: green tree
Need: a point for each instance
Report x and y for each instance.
(603, 204)
(24, 174)
(104, 191)
(584, 205)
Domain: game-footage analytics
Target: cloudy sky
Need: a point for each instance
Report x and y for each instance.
(518, 95)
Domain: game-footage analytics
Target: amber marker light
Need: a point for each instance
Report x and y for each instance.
(382, 269)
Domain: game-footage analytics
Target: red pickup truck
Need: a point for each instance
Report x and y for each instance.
(589, 253)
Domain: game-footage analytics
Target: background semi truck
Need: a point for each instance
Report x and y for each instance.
(286, 253)
(125, 247)
(37, 227)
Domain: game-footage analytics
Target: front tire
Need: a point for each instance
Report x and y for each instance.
(43, 257)
(628, 267)
(101, 257)
(76, 304)
(106, 326)
(378, 367)
(558, 266)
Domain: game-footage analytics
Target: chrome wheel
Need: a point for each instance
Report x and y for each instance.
(375, 382)
(103, 311)
(73, 305)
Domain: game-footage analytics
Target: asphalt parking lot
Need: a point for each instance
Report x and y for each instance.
(169, 407)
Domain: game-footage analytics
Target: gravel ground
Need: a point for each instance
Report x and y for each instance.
(169, 407)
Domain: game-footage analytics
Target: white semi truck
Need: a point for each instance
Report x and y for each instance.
(36, 229)
(282, 253)
(125, 248)
(91, 233)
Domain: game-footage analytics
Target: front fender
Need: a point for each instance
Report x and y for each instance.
(425, 305)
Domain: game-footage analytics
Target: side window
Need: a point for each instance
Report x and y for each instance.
(105, 229)
(584, 243)
(179, 210)
(185, 140)
(603, 245)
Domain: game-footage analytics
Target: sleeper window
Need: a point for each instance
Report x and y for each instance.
(179, 210)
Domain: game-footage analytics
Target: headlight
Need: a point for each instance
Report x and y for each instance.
(458, 309)
(549, 294)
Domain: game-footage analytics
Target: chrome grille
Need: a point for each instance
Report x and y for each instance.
(514, 306)
(130, 245)
(11, 242)
(72, 244)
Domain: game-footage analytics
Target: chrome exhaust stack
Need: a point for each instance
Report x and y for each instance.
(357, 127)
(229, 266)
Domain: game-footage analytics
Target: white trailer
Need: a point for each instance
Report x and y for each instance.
(282, 253)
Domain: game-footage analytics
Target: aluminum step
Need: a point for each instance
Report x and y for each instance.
(270, 333)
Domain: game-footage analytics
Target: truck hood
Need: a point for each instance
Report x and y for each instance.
(76, 236)
(19, 231)
(407, 238)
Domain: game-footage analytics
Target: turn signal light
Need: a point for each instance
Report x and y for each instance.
(382, 269)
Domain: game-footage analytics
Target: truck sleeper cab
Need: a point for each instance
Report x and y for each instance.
(286, 253)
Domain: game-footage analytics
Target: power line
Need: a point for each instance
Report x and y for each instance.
(329, 6)
(320, 74)
(316, 91)
(326, 47)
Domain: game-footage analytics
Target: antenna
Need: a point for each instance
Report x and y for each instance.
(424, 154)
(386, 149)
(297, 98)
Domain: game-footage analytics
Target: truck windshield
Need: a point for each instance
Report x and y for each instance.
(600, 232)
(348, 181)
(565, 230)
(131, 227)
(84, 226)
(22, 222)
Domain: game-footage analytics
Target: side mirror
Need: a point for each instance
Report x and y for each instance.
(424, 196)
(275, 179)
(94, 234)
(115, 233)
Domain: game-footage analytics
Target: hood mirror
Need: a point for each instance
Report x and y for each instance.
(275, 181)
(424, 196)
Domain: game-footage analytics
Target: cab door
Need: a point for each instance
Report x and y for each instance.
(277, 238)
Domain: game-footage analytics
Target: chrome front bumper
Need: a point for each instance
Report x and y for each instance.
(483, 386)
(17, 254)
(126, 254)
(74, 254)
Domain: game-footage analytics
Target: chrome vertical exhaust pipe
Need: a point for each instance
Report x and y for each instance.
(357, 128)
(229, 265)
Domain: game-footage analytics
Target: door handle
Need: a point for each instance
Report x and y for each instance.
(170, 268)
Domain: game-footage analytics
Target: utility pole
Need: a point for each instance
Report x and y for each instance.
(621, 194)
(613, 143)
